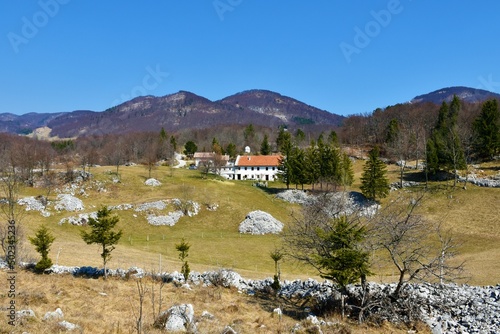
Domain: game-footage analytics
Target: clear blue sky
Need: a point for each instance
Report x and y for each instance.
(346, 57)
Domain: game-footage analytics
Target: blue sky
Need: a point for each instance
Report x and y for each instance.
(347, 57)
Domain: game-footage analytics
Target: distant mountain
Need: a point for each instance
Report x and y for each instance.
(471, 95)
(179, 111)
(26, 123)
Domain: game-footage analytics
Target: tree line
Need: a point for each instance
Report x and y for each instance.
(447, 135)
(445, 138)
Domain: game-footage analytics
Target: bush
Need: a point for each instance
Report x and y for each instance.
(44, 263)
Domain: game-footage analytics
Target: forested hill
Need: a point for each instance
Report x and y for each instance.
(180, 111)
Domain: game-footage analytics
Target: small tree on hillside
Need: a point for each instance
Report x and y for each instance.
(374, 183)
(276, 255)
(42, 241)
(329, 241)
(183, 249)
(102, 233)
(343, 260)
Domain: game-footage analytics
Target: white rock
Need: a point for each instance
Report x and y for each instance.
(57, 314)
(278, 312)
(260, 222)
(179, 318)
(207, 315)
(68, 325)
(25, 313)
(152, 182)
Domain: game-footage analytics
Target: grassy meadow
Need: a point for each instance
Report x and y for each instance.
(472, 215)
(112, 306)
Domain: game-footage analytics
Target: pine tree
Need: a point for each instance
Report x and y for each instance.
(299, 136)
(343, 260)
(285, 167)
(284, 140)
(102, 233)
(391, 133)
(173, 143)
(231, 150)
(265, 148)
(374, 183)
(444, 149)
(487, 129)
(42, 241)
(183, 249)
(346, 172)
(333, 138)
(190, 148)
(297, 165)
(329, 163)
(312, 167)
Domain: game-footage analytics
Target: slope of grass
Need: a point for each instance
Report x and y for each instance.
(213, 235)
(472, 215)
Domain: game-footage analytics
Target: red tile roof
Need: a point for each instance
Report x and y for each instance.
(257, 160)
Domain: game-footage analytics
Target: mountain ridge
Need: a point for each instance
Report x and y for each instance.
(185, 110)
(466, 94)
(179, 111)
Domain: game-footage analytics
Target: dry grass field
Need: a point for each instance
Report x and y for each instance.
(98, 306)
(112, 306)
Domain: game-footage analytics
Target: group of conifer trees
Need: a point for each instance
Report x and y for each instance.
(322, 163)
(449, 150)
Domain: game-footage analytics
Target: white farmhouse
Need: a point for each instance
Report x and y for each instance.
(256, 167)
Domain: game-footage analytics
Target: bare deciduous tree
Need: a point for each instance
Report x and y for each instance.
(417, 247)
(11, 233)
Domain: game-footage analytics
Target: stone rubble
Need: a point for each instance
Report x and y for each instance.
(34, 204)
(189, 208)
(169, 220)
(121, 207)
(81, 220)
(480, 182)
(260, 222)
(157, 205)
(295, 196)
(68, 202)
(349, 203)
(447, 308)
(340, 203)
